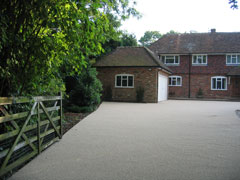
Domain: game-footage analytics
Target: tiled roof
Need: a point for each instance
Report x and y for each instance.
(234, 71)
(208, 43)
(131, 57)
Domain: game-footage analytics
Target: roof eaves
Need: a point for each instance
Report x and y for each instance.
(155, 59)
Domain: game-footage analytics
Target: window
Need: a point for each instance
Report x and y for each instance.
(233, 59)
(175, 81)
(199, 59)
(170, 60)
(124, 80)
(218, 83)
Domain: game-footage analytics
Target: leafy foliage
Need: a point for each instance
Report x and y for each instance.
(234, 4)
(152, 36)
(44, 40)
(84, 91)
(128, 39)
(124, 39)
(149, 37)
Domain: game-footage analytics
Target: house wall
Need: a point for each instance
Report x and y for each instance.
(143, 76)
(200, 77)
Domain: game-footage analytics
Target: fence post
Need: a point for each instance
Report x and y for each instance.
(61, 116)
(38, 128)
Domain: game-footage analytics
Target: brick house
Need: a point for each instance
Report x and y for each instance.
(128, 69)
(205, 65)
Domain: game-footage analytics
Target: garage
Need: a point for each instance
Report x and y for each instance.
(162, 87)
(132, 72)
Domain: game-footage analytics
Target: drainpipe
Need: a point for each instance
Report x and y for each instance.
(189, 77)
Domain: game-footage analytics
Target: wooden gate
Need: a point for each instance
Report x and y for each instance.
(27, 126)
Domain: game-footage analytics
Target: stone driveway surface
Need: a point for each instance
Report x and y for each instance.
(171, 140)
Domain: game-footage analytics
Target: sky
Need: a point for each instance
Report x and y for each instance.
(183, 16)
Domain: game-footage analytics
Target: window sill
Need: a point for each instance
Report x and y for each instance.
(218, 89)
(124, 87)
(232, 64)
(175, 85)
(199, 65)
(172, 64)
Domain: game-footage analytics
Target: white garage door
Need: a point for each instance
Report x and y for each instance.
(162, 87)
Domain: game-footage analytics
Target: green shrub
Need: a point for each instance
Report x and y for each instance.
(171, 93)
(78, 109)
(200, 92)
(140, 94)
(84, 91)
(108, 93)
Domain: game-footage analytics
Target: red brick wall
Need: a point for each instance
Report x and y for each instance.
(180, 91)
(204, 82)
(145, 77)
(200, 77)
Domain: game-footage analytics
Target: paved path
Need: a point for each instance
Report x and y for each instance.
(172, 140)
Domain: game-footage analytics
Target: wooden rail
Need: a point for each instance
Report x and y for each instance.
(27, 127)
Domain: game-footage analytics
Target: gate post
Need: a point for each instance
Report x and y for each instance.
(61, 116)
(38, 128)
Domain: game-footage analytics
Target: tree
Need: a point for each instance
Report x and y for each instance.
(127, 39)
(172, 32)
(84, 91)
(234, 4)
(149, 37)
(123, 39)
(42, 41)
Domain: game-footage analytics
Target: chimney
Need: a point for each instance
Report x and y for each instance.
(213, 30)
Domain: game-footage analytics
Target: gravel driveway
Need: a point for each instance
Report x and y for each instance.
(171, 140)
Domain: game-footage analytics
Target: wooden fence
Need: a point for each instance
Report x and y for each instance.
(27, 126)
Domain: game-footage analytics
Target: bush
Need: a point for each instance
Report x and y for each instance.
(171, 93)
(200, 93)
(77, 109)
(108, 94)
(140, 94)
(84, 91)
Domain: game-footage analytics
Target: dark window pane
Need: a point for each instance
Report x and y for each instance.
(130, 81)
(228, 59)
(169, 61)
(224, 83)
(118, 80)
(170, 79)
(214, 83)
(124, 82)
(178, 81)
(174, 81)
(163, 59)
(238, 59)
(176, 60)
(219, 84)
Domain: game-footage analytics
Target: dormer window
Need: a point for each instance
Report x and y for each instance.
(233, 59)
(171, 60)
(199, 59)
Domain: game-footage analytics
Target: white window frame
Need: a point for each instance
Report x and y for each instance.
(231, 63)
(174, 59)
(121, 75)
(217, 79)
(200, 56)
(176, 77)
